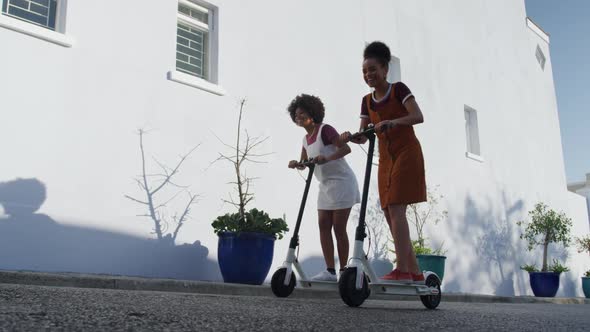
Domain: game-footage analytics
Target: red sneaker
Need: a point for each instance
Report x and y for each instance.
(398, 276)
(418, 278)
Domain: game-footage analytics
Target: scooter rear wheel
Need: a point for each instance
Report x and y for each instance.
(277, 283)
(352, 296)
(432, 301)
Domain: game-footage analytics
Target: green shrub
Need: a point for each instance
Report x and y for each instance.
(255, 221)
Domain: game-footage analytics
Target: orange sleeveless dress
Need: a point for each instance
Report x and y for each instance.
(401, 178)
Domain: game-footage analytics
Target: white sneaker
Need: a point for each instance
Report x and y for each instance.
(324, 276)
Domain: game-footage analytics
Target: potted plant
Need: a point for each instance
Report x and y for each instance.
(583, 244)
(545, 227)
(246, 245)
(246, 238)
(420, 214)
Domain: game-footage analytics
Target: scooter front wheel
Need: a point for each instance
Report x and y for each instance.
(352, 296)
(432, 301)
(277, 283)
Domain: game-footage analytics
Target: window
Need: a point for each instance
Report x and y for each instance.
(39, 12)
(472, 133)
(394, 74)
(43, 19)
(196, 46)
(540, 57)
(192, 40)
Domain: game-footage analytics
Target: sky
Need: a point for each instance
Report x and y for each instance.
(568, 24)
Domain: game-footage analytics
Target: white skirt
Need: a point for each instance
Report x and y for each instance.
(338, 194)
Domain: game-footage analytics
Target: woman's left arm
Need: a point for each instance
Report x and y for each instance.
(414, 114)
(343, 149)
(414, 117)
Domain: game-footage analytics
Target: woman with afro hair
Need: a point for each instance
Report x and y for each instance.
(338, 189)
(393, 110)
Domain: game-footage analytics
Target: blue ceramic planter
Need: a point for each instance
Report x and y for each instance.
(544, 284)
(245, 258)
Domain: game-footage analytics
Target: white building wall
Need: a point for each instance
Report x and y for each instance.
(582, 188)
(69, 117)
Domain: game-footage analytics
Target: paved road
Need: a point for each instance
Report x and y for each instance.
(26, 308)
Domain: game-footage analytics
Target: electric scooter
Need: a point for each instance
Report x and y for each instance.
(283, 280)
(358, 278)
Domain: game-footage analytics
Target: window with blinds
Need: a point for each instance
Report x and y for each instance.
(192, 39)
(38, 12)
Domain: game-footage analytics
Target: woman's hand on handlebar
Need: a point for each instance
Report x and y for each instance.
(296, 164)
(346, 137)
(384, 125)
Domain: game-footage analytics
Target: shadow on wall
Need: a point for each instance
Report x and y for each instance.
(489, 252)
(33, 241)
(496, 248)
(486, 248)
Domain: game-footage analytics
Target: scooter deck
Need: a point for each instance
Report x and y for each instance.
(318, 284)
(383, 287)
(398, 288)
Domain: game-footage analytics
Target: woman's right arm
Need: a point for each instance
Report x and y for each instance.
(295, 163)
(345, 136)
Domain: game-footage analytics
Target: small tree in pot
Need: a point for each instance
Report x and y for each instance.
(583, 244)
(420, 214)
(429, 259)
(545, 227)
(246, 238)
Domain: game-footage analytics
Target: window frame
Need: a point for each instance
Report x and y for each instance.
(211, 82)
(57, 36)
(193, 23)
(394, 74)
(541, 58)
(472, 136)
(7, 5)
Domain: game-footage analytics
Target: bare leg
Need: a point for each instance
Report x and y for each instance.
(325, 218)
(398, 224)
(395, 243)
(340, 219)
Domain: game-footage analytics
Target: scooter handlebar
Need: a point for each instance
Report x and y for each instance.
(306, 163)
(366, 132)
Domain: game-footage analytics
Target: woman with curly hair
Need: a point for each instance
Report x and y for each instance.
(393, 110)
(338, 189)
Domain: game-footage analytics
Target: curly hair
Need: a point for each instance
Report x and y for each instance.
(311, 105)
(379, 51)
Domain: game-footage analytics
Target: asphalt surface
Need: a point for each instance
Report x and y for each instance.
(68, 279)
(30, 307)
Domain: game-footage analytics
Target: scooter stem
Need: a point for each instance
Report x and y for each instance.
(360, 229)
(295, 238)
